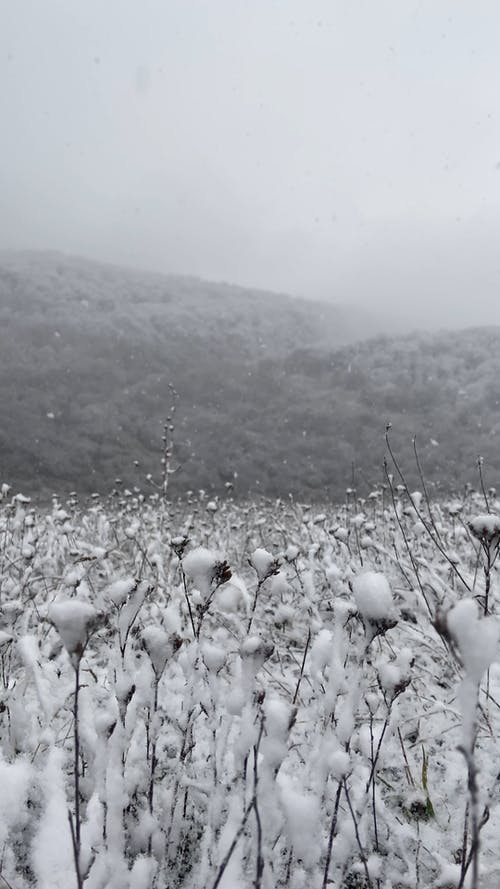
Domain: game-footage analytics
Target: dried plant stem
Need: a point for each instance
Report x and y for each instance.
(331, 835)
(259, 871)
(254, 603)
(152, 772)
(75, 825)
(232, 847)
(407, 545)
(302, 666)
(356, 832)
(481, 482)
(76, 856)
(437, 543)
(474, 820)
(374, 784)
(424, 488)
(186, 596)
(251, 806)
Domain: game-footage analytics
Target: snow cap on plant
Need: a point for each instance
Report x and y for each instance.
(214, 657)
(205, 567)
(374, 601)
(475, 642)
(395, 676)
(256, 651)
(292, 552)
(475, 639)
(119, 590)
(486, 528)
(160, 647)
(280, 717)
(179, 544)
(75, 622)
(264, 563)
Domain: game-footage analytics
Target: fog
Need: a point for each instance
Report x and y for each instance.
(347, 151)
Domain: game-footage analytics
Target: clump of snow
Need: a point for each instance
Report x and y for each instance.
(233, 595)
(74, 621)
(321, 652)
(302, 818)
(278, 716)
(476, 638)
(416, 499)
(284, 614)
(256, 651)
(477, 642)
(375, 864)
(450, 876)
(339, 763)
(132, 530)
(263, 562)
(373, 596)
(358, 520)
(142, 873)
(200, 565)
(395, 675)
(16, 780)
(51, 848)
(291, 553)
(279, 584)
(120, 590)
(214, 657)
(486, 528)
(160, 647)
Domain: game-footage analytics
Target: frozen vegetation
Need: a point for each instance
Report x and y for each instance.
(260, 695)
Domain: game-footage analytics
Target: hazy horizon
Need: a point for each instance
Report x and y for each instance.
(334, 151)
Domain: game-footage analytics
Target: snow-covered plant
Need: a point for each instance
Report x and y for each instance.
(317, 748)
(75, 622)
(475, 641)
(375, 604)
(208, 571)
(265, 566)
(486, 529)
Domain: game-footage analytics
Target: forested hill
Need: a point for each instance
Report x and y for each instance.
(272, 396)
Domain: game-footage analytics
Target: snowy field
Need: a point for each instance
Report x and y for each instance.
(214, 695)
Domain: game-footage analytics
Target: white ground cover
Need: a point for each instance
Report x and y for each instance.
(320, 726)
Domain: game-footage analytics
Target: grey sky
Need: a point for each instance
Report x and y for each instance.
(348, 150)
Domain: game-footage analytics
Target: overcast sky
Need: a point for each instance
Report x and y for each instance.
(343, 150)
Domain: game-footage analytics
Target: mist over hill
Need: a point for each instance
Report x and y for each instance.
(277, 395)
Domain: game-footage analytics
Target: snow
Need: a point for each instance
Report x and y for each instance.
(52, 855)
(120, 590)
(339, 763)
(302, 814)
(373, 596)
(476, 638)
(256, 649)
(74, 621)
(214, 656)
(263, 562)
(199, 565)
(159, 646)
(142, 873)
(292, 552)
(485, 527)
(173, 736)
